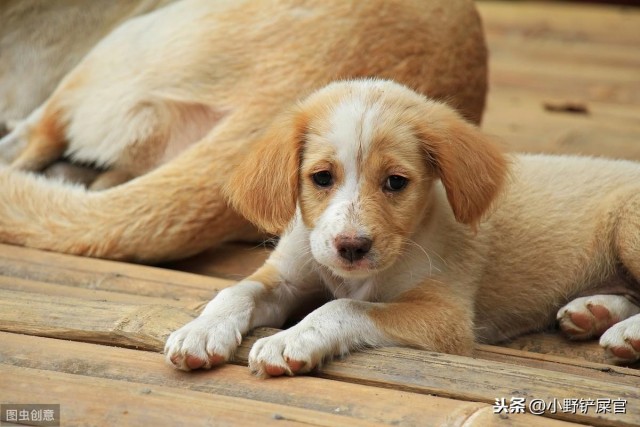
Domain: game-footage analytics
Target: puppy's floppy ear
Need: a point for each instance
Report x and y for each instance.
(264, 187)
(471, 168)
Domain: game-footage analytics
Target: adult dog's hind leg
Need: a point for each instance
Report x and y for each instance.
(14, 140)
(37, 142)
(171, 212)
(11, 145)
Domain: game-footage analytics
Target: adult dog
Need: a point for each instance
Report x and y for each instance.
(426, 235)
(177, 97)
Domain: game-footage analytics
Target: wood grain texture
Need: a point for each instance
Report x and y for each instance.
(571, 22)
(541, 52)
(106, 275)
(97, 401)
(145, 327)
(57, 290)
(232, 261)
(476, 379)
(350, 400)
(583, 353)
(568, 363)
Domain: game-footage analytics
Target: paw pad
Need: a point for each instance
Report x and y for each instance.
(296, 365)
(194, 362)
(622, 341)
(587, 323)
(274, 371)
(588, 317)
(622, 353)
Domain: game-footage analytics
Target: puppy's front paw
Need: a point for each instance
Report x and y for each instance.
(622, 341)
(204, 342)
(294, 351)
(589, 317)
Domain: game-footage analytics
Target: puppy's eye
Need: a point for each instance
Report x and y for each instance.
(395, 183)
(322, 178)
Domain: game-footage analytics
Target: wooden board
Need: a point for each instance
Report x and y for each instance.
(563, 52)
(540, 54)
(233, 261)
(131, 325)
(147, 326)
(97, 401)
(31, 264)
(350, 400)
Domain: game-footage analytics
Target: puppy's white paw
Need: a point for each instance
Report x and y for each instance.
(622, 341)
(589, 317)
(294, 351)
(206, 341)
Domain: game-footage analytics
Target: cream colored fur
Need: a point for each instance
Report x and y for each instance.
(178, 97)
(477, 246)
(40, 41)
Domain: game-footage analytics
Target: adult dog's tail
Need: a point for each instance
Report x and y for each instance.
(172, 212)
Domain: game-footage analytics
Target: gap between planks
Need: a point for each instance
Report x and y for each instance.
(133, 286)
(146, 327)
(529, 19)
(587, 23)
(144, 371)
(91, 273)
(99, 401)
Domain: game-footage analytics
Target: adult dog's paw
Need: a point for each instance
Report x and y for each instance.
(622, 341)
(294, 351)
(204, 342)
(589, 317)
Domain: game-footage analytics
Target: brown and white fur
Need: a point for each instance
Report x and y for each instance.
(177, 97)
(475, 247)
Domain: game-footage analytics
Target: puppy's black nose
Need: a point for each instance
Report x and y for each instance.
(353, 248)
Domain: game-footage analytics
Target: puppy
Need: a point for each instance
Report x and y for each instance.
(175, 97)
(426, 235)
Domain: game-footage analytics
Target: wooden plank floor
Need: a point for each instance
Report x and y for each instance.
(87, 334)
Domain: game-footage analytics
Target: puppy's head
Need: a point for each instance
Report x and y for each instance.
(359, 158)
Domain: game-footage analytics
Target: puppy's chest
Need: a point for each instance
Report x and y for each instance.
(362, 290)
